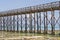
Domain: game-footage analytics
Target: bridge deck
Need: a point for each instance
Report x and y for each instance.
(32, 9)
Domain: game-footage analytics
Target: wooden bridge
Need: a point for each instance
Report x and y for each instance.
(31, 19)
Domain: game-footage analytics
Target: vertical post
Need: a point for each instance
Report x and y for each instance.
(21, 22)
(25, 23)
(52, 22)
(7, 23)
(46, 25)
(14, 23)
(0, 23)
(40, 21)
(59, 22)
(37, 24)
(3, 24)
(10, 24)
(34, 23)
(30, 17)
(17, 23)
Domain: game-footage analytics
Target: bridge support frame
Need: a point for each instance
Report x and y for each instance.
(52, 23)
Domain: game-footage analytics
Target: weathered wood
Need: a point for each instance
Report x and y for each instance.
(25, 22)
(52, 22)
(30, 20)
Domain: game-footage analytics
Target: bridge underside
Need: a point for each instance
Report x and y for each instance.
(46, 20)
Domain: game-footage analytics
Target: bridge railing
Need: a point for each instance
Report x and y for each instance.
(40, 7)
(33, 8)
(55, 4)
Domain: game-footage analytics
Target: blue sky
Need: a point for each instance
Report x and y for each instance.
(14, 4)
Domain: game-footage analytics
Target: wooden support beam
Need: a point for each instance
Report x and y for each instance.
(3, 23)
(52, 23)
(21, 23)
(34, 24)
(17, 23)
(59, 23)
(14, 23)
(25, 22)
(7, 24)
(30, 17)
(10, 23)
(37, 24)
(40, 21)
(45, 23)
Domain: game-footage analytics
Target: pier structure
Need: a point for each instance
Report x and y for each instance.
(33, 19)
